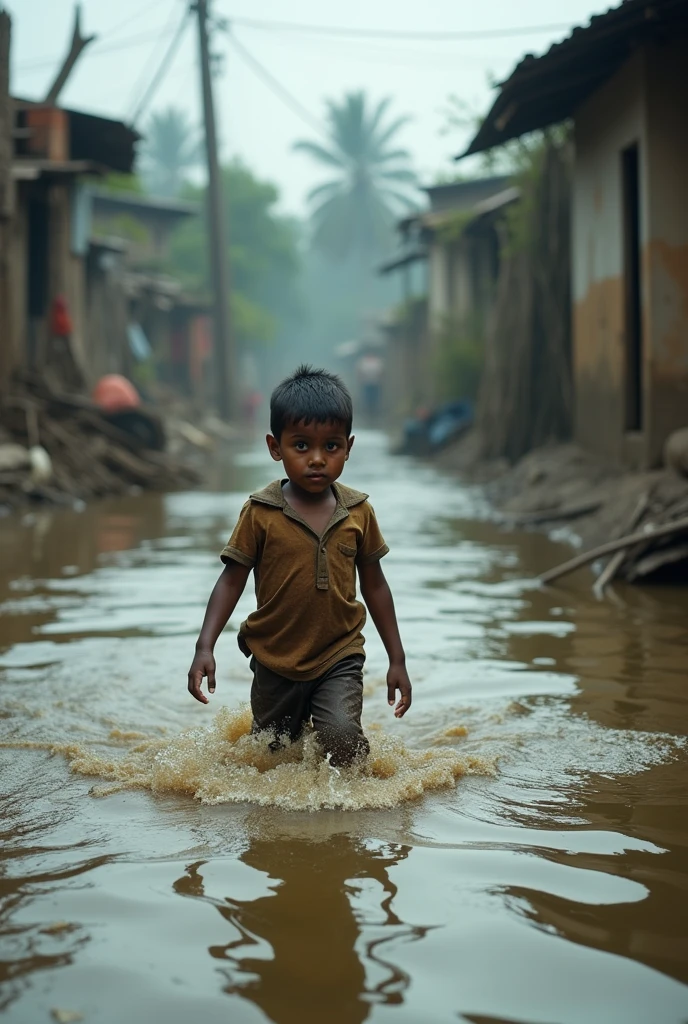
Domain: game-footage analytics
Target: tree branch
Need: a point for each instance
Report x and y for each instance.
(79, 43)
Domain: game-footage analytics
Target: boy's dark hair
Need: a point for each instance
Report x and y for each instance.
(308, 396)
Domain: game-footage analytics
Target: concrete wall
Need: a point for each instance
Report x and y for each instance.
(644, 103)
(609, 122)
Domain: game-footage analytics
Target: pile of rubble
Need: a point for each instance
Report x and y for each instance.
(59, 448)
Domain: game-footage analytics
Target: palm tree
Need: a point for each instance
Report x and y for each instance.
(354, 212)
(171, 149)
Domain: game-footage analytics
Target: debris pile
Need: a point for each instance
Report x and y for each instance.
(637, 521)
(651, 541)
(59, 447)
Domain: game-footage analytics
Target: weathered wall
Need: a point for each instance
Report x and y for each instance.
(610, 121)
(666, 254)
(66, 271)
(644, 103)
(6, 203)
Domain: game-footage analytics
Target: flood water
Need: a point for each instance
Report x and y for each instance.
(515, 851)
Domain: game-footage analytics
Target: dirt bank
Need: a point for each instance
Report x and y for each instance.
(565, 486)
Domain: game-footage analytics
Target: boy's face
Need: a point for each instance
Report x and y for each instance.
(313, 454)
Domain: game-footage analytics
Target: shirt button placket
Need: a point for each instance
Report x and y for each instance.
(323, 576)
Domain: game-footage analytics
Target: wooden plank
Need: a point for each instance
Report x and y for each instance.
(667, 530)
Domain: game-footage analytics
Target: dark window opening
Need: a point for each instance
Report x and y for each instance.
(633, 322)
(37, 297)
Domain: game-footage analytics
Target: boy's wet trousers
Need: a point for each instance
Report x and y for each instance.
(333, 702)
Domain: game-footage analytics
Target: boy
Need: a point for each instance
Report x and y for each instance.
(305, 537)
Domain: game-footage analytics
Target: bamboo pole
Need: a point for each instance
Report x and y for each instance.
(614, 564)
(611, 546)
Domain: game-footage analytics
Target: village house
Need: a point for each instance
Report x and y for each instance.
(101, 253)
(166, 325)
(55, 152)
(448, 266)
(622, 81)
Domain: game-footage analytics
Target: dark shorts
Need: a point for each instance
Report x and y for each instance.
(333, 702)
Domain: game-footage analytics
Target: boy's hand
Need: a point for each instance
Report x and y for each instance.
(202, 665)
(397, 679)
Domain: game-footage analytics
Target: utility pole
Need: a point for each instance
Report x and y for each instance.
(223, 341)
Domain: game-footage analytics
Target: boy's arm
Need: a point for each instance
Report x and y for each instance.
(378, 597)
(223, 601)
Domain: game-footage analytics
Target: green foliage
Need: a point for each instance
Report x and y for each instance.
(354, 212)
(170, 149)
(264, 255)
(519, 217)
(124, 225)
(459, 359)
(127, 183)
(454, 226)
(513, 157)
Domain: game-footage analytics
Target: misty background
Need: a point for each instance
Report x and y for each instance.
(330, 123)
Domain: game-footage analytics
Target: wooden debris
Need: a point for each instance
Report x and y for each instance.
(669, 529)
(552, 515)
(90, 455)
(615, 562)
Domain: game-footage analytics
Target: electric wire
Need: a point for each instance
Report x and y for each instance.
(163, 67)
(339, 31)
(276, 87)
(363, 33)
(96, 50)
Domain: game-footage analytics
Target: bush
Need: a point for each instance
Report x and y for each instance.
(459, 358)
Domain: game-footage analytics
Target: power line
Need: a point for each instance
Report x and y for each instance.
(123, 44)
(276, 86)
(114, 29)
(163, 68)
(322, 30)
(378, 52)
(363, 33)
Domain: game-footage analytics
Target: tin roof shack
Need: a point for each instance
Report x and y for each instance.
(55, 150)
(147, 223)
(446, 303)
(622, 79)
(167, 328)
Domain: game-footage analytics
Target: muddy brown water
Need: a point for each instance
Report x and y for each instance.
(516, 851)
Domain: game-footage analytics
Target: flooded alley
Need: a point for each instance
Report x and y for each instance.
(515, 850)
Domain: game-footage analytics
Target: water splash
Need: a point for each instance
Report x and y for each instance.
(226, 763)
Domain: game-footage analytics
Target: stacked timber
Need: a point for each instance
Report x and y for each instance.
(58, 447)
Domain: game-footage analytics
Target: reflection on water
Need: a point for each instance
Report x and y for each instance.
(312, 886)
(437, 890)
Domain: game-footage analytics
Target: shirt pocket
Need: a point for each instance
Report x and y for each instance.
(343, 570)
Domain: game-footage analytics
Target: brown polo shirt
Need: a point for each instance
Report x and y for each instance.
(308, 617)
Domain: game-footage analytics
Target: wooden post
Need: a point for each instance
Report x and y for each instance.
(223, 339)
(6, 201)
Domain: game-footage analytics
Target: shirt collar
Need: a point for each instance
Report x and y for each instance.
(273, 495)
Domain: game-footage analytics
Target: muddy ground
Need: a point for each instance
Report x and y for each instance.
(561, 485)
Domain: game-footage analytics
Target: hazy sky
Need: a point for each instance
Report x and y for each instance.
(254, 122)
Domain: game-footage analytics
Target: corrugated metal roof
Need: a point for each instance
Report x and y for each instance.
(134, 201)
(546, 90)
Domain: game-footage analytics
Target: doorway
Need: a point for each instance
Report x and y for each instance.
(632, 277)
